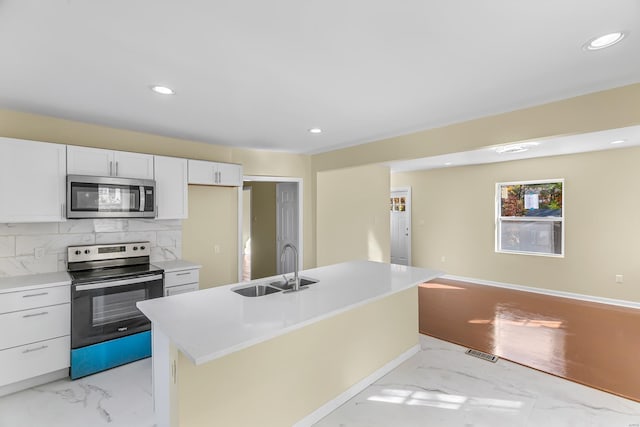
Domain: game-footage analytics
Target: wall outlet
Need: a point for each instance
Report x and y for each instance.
(38, 253)
(619, 278)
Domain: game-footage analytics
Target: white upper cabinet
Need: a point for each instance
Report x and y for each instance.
(100, 162)
(133, 165)
(32, 181)
(89, 161)
(229, 174)
(213, 173)
(171, 187)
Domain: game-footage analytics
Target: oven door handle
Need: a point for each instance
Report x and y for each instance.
(110, 284)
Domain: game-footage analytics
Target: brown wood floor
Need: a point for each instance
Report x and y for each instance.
(590, 343)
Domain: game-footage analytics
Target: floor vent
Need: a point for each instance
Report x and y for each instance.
(482, 355)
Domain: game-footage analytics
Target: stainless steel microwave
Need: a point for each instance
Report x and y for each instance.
(108, 197)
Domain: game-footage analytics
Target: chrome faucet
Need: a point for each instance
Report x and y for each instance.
(296, 279)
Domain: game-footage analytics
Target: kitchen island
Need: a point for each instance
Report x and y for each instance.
(220, 358)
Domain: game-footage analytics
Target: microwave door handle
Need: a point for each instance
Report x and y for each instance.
(142, 198)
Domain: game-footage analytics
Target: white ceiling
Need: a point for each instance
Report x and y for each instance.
(258, 74)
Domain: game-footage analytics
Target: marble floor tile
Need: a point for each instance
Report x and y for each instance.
(442, 386)
(119, 397)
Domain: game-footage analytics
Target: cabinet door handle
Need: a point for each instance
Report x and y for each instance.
(35, 295)
(36, 314)
(29, 350)
(117, 168)
(110, 168)
(183, 274)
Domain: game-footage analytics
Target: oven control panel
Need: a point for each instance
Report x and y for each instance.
(108, 251)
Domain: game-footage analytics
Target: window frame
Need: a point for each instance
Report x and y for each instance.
(500, 219)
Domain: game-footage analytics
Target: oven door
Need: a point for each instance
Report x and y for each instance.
(104, 310)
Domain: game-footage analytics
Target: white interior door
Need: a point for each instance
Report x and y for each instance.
(400, 205)
(286, 223)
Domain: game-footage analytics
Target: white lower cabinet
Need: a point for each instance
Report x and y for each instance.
(32, 360)
(175, 290)
(181, 281)
(34, 325)
(36, 329)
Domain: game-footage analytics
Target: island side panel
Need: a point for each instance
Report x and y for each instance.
(280, 381)
(164, 366)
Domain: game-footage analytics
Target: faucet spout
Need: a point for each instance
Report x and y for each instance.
(296, 279)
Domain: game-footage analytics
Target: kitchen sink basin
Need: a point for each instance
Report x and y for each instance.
(271, 288)
(256, 290)
(304, 281)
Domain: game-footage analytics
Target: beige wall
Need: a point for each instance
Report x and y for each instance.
(280, 381)
(263, 229)
(352, 215)
(597, 111)
(209, 235)
(453, 216)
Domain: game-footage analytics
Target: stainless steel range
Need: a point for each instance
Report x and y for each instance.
(107, 329)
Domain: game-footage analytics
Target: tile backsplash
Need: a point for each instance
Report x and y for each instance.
(31, 248)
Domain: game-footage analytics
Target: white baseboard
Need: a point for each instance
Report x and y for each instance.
(333, 404)
(562, 294)
(34, 382)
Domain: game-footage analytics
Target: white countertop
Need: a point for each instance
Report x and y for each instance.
(175, 265)
(33, 281)
(212, 323)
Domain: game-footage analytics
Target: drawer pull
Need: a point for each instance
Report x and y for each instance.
(35, 295)
(183, 274)
(36, 314)
(29, 350)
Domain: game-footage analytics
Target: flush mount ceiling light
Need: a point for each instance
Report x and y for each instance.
(618, 141)
(515, 148)
(604, 41)
(315, 130)
(163, 90)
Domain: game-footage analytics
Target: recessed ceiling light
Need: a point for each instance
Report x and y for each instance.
(163, 90)
(315, 130)
(603, 41)
(515, 148)
(618, 141)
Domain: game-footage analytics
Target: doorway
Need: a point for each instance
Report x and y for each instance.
(400, 205)
(271, 217)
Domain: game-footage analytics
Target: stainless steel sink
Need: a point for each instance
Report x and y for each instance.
(304, 281)
(256, 290)
(271, 288)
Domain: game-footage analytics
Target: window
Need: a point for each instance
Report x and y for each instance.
(530, 217)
